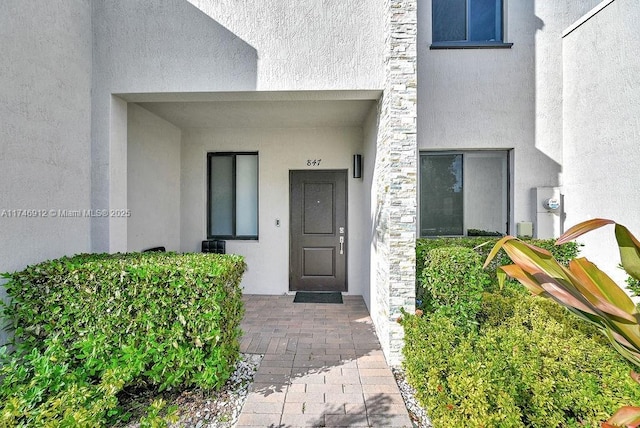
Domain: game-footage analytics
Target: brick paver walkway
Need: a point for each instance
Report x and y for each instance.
(322, 367)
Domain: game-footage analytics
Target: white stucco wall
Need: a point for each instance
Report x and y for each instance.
(500, 98)
(601, 126)
(279, 150)
(552, 17)
(153, 181)
(168, 46)
(308, 44)
(45, 75)
(370, 138)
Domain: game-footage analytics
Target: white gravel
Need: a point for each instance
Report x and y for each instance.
(219, 409)
(417, 413)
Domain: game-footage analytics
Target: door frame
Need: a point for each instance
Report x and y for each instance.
(344, 175)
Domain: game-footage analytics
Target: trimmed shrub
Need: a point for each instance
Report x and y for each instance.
(529, 362)
(539, 367)
(89, 326)
(453, 281)
(482, 246)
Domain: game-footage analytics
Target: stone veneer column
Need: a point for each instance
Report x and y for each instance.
(396, 179)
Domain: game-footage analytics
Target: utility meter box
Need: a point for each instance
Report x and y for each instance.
(551, 204)
(548, 212)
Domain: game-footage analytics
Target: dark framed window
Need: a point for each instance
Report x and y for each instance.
(467, 23)
(232, 202)
(464, 193)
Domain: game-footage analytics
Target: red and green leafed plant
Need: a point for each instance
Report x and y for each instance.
(586, 291)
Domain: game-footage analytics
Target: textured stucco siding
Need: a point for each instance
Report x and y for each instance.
(308, 44)
(553, 17)
(45, 84)
(153, 181)
(602, 127)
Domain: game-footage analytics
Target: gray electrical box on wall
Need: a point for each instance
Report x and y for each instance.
(548, 212)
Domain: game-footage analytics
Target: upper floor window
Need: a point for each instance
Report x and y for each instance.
(232, 196)
(467, 23)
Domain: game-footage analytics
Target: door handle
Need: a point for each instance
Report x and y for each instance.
(342, 245)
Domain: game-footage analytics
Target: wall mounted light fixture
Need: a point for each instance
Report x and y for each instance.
(357, 166)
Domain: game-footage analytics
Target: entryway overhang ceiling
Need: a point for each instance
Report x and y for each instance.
(259, 109)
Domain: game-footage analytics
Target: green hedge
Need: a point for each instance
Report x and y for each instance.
(89, 326)
(527, 362)
(532, 365)
(483, 245)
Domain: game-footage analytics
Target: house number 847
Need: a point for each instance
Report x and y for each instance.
(313, 162)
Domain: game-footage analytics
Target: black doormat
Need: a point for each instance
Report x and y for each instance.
(317, 297)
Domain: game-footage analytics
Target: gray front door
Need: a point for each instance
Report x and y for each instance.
(318, 230)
